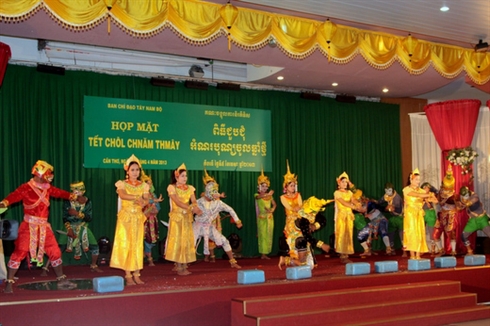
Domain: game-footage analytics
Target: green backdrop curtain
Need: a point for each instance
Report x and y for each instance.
(42, 118)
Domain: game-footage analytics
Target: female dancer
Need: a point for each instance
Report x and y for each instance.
(413, 222)
(265, 207)
(127, 253)
(180, 238)
(292, 202)
(344, 218)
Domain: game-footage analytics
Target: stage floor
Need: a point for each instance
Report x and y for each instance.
(204, 297)
(204, 275)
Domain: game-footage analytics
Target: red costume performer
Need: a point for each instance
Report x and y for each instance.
(35, 236)
(446, 218)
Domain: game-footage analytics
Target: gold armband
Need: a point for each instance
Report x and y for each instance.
(319, 244)
(68, 225)
(5, 202)
(81, 215)
(317, 226)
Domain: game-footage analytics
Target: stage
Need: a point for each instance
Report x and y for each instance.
(204, 297)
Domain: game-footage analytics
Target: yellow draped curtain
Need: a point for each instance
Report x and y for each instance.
(199, 22)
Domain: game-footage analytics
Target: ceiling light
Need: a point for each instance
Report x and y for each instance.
(481, 46)
(444, 8)
(385, 90)
(335, 84)
(280, 77)
(196, 71)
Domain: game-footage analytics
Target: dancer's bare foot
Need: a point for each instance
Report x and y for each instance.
(129, 280)
(9, 286)
(282, 261)
(137, 279)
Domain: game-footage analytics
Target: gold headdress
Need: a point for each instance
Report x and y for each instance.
(414, 173)
(343, 175)
(132, 158)
(180, 168)
(263, 179)
(314, 205)
(77, 185)
(41, 167)
(448, 182)
(207, 178)
(289, 177)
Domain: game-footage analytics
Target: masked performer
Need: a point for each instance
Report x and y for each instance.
(180, 237)
(478, 216)
(265, 207)
(79, 238)
(309, 220)
(393, 206)
(430, 218)
(35, 236)
(446, 218)
(414, 226)
(377, 224)
(292, 202)
(127, 252)
(211, 205)
(151, 224)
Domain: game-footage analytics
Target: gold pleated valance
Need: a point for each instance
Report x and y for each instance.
(199, 22)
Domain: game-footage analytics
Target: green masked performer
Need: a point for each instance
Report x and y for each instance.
(478, 216)
(430, 219)
(265, 207)
(79, 238)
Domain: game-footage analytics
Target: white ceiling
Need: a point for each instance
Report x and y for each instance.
(463, 25)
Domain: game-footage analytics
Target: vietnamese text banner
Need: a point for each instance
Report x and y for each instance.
(164, 135)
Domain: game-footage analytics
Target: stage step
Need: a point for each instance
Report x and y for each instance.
(412, 302)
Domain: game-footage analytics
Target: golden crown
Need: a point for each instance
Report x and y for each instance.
(77, 185)
(263, 179)
(448, 182)
(180, 168)
(289, 177)
(342, 176)
(207, 178)
(132, 158)
(41, 167)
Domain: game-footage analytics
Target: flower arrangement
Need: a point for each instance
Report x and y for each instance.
(463, 157)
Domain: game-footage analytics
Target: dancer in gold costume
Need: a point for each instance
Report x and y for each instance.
(344, 218)
(180, 238)
(292, 202)
(127, 253)
(413, 222)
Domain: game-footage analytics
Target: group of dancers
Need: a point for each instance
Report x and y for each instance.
(192, 220)
(422, 210)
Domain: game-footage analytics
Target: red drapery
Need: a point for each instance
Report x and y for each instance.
(453, 124)
(4, 59)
